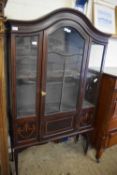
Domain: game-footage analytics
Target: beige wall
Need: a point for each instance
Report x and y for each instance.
(111, 57)
(32, 9)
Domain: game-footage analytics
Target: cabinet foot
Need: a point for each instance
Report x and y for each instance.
(76, 138)
(97, 160)
(16, 161)
(12, 155)
(98, 155)
(86, 146)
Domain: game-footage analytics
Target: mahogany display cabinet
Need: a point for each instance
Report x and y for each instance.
(54, 67)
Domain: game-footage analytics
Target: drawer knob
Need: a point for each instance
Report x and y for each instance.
(43, 93)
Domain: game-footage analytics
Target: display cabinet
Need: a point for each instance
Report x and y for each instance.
(54, 68)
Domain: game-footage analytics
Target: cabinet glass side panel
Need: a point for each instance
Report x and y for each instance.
(64, 60)
(26, 72)
(92, 81)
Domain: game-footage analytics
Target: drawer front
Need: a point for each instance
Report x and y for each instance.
(113, 123)
(114, 106)
(116, 85)
(112, 138)
(113, 112)
(53, 127)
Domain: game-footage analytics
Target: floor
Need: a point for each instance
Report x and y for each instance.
(66, 158)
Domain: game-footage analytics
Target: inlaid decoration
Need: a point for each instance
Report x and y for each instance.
(114, 110)
(86, 118)
(26, 130)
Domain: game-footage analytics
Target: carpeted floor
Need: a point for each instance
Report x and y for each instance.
(66, 159)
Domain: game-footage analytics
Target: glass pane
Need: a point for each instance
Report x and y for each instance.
(96, 54)
(26, 68)
(65, 53)
(92, 81)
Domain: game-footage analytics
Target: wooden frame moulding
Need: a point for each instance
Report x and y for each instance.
(4, 163)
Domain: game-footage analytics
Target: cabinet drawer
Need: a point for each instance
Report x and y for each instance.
(112, 138)
(116, 85)
(113, 123)
(114, 105)
(58, 125)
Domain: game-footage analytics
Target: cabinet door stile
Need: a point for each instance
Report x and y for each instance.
(13, 76)
(39, 80)
(43, 80)
(39, 60)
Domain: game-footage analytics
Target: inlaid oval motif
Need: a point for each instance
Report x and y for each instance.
(26, 130)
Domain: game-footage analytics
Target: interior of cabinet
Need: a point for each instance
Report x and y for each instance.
(93, 75)
(26, 74)
(65, 53)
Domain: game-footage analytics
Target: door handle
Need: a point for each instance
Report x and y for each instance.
(43, 93)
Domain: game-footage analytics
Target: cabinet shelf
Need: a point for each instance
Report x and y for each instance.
(29, 80)
(65, 54)
(24, 57)
(87, 104)
(26, 111)
(57, 108)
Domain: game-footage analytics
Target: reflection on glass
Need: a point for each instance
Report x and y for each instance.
(95, 59)
(26, 61)
(92, 81)
(65, 53)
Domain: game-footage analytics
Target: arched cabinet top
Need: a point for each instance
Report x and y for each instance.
(24, 27)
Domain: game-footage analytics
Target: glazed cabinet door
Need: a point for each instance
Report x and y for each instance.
(25, 84)
(93, 73)
(65, 51)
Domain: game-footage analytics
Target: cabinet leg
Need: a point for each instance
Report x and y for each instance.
(99, 154)
(76, 138)
(86, 136)
(12, 155)
(16, 161)
(97, 160)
